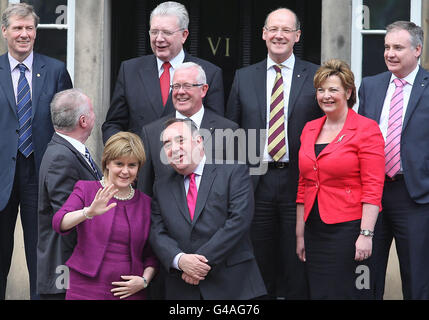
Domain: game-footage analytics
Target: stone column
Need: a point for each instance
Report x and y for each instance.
(92, 62)
(3, 45)
(336, 30)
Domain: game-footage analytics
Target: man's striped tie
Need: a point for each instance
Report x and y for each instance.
(23, 108)
(276, 128)
(393, 138)
(92, 163)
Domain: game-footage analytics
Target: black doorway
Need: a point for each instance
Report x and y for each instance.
(226, 32)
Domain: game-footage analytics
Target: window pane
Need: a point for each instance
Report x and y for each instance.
(373, 55)
(52, 11)
(384, 12)
(52, 42)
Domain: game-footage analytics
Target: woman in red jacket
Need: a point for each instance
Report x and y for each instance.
(341, 164)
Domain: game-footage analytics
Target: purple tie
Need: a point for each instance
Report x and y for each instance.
(191, 197)
(393, 138)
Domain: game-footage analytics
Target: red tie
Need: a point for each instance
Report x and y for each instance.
(191, 197)
(164, 81)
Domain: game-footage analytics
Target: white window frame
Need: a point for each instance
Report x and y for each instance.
(70, 27)
(358, 31)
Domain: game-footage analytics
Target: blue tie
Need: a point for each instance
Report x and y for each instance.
(23, 108)
(91, 161)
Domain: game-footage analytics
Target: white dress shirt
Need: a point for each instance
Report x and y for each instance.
(287, 72)
(79, 146)
(15, 73)
(175, 62)
(384, 118)
(197, 117)
(198, 173)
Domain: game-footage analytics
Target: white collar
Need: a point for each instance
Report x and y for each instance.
(409, 78)
(197, 117)
(175, 62)
(28, 62)
(79, 146)
(288, 63)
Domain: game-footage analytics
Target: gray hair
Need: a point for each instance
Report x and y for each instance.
(201, 77)
(297, 22)
(66, 108)
(416, 32)
(22, 10)
(171, 8)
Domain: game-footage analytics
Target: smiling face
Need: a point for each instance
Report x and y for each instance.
(400, 56)
(184, 151)
(166, 47)
(188, 102)
(280, 44)
(20, 36)
(332, 96)
(122, 172)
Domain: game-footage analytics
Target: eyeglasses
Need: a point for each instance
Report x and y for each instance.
(274, 30)
(185, 86)
(165, 33)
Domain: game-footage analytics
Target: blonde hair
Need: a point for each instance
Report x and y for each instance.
(122, 144)
(341, 69)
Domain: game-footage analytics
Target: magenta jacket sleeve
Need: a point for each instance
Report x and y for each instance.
(74, 202)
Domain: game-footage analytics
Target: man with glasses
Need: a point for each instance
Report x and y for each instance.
(189, 87)
(142, 92)
(276, 95)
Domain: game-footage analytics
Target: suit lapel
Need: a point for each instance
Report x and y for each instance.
(420, 85)
(206, 183)
(260, 87)
(178, 191)
(380, 96)
(348, 131)
(298, 78)
(208, 122)
(6, 82)
(60, 140)
(38, 79)
(148, 74)
(313, 132)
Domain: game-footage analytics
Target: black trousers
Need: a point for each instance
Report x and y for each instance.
(274, 237)
(24, 195)
(408, 222)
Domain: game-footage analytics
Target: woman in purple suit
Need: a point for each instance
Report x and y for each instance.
(112, 258)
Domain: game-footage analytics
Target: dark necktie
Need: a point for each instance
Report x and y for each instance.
(164, 82)
(91, 161)
(23, 108)
(191, 197)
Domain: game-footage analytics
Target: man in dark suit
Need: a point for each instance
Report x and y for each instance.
(28, 81)
(66, 161)
(142, 89)
(294, 104)
(398, 100)
(201, 215)
(188, 103)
